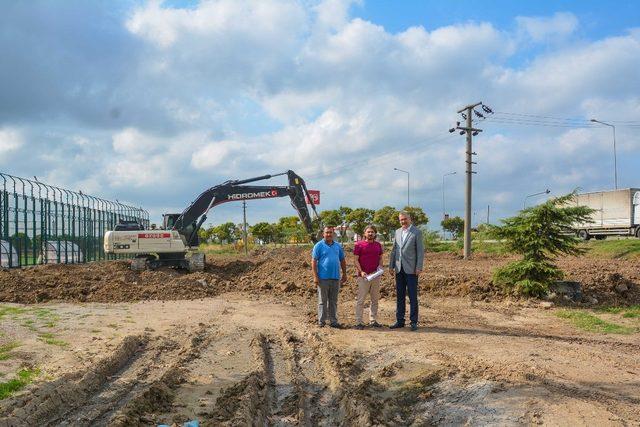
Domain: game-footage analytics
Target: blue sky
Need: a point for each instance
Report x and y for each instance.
(598, 18)
(152, 102)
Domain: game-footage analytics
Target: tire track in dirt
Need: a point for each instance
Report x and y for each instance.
(49, 402)
(159, 394)
(247, 402)
(295, 381)
(134, 379)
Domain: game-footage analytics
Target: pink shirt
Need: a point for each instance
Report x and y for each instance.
(369, 254)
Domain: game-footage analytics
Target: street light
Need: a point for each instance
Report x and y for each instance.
(400, 170)
(444, 212)
(524, 204)
(615, 160)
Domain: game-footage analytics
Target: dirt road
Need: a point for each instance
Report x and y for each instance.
(240, 358)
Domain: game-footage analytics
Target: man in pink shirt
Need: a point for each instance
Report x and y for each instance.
(368, 254)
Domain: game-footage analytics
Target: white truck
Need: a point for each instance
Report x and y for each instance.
(617, 213)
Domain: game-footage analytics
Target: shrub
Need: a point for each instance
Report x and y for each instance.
(539, 234)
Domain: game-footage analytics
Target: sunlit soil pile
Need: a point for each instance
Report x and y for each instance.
(286, 272)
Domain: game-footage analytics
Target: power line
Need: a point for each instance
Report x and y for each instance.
(561, 120)
(537, 123)
(535, 116)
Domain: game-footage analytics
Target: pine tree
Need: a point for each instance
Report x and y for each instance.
(539, 234)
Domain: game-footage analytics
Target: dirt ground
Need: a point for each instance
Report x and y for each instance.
(237, 345)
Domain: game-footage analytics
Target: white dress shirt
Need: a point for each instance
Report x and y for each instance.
(405, 233)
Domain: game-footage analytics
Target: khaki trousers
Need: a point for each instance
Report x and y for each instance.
(367, 287)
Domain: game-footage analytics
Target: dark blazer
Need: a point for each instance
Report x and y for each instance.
(408, 254)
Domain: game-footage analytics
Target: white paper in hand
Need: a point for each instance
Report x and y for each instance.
(375, 274)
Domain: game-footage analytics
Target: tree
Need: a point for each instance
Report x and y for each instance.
(386, 218)
(292, 229)
(418, 217)
(289, 221)
(359, 218)
(539, 234)
(344, 213)
(263, 231)
(205, 234)
(279, 236)
(331, 218)
(225, 232)
(453, 225)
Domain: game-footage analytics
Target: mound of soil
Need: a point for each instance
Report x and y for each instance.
(286, 272)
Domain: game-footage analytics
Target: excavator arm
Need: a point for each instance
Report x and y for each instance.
(231, 191)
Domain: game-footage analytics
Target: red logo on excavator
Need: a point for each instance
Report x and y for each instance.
(154, 235)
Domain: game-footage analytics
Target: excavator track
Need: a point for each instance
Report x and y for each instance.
(196, 262)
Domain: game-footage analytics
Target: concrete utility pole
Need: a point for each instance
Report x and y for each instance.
(467, 113)
(244, 226)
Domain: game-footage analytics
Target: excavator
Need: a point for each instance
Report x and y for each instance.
(176, 243)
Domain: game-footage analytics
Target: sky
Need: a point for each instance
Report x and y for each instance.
(153, 102)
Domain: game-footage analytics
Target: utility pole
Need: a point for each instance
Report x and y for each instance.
(244, 226)
(467, 114)
(488, 209)
(400, 170)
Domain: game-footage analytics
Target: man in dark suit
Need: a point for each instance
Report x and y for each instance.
(406, 262)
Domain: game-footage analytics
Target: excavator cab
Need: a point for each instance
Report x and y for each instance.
(127, 225)
(168, 220)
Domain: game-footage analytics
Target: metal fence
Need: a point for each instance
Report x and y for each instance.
(44, 224)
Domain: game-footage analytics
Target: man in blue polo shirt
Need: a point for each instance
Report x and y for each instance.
(327, 259)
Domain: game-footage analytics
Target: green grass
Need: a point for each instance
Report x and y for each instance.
(591, 323)
(215, 249)
(484, 247)
(630, 312)
(30, 324)
(5, 349)
(614, 248)
(23, 377)
(10, 311)
(45, 317)
(49, 338)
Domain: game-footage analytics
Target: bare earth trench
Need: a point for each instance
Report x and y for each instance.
(239, 359)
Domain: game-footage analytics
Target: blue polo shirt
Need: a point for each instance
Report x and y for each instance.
(328, 257)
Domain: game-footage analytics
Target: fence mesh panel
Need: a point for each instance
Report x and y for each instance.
(44, 224)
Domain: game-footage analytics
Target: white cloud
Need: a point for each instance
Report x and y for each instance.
(540, 29)
(216, 21)
(143, 160)
(212, 154)
(11, 140)
(333, 14)
(131, 141)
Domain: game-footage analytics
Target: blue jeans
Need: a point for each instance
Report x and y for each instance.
(406, 283)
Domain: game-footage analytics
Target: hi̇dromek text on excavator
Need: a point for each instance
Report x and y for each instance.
(176, 244)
